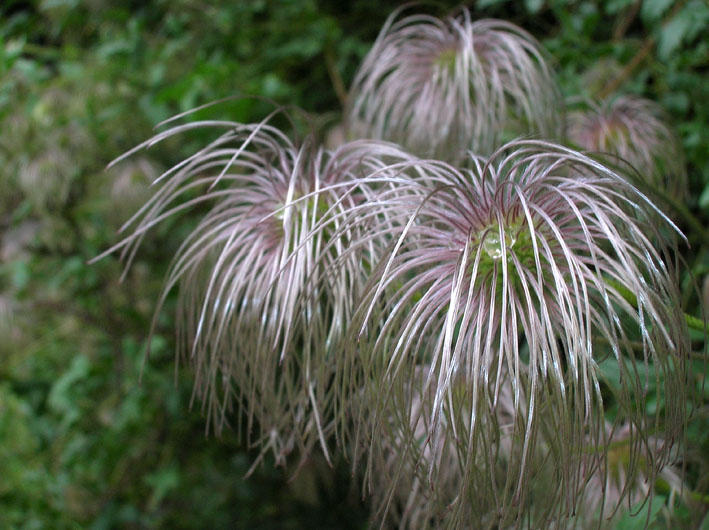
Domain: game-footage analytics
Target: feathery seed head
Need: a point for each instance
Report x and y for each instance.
(514, 277)
(266, 286)
(441, 87)
(637, 131)
(402, 492)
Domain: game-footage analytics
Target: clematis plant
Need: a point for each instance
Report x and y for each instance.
(510, 279)
(442, 87)
(611, 484)
(447, 322)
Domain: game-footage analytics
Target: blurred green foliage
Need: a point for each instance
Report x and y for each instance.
(91, 434)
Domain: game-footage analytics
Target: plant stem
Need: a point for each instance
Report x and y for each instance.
(335, 77)
(684, 212)
(623, 76)
(624, 24)
(629, 296)
(643, 52)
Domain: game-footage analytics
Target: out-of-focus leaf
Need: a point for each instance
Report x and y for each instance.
(614, 6)
(686, 25)
(19, 274)
(652, 10)
(482, 4)
(642, 516)
(533, 6)
(676, 102)
(66, 4)
(162, 481)
(704, 198)
(61, 397)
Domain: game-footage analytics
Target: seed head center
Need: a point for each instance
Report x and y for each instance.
(494, 245)
(446, 59)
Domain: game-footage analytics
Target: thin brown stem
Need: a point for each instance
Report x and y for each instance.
(629, 68)
(639, 57)
(622, 27)
(335, 77)
(698, 228)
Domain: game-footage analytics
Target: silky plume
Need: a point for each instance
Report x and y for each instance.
(512, 279)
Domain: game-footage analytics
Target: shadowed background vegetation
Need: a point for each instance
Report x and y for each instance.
(91, 436)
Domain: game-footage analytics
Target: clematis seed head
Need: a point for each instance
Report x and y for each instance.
(511, 279)
(266, 284)
(636, 130)
(442, 87)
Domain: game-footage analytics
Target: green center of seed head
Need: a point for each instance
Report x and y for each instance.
(492, 248)
(495, 246)
(445, 61)
(514, 242)
(299, 206)
(612, 135)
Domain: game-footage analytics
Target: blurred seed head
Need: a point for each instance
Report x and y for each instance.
(16, 241)
(39, 150)
(516, 274)
(46, 180)
(442, 87)
(636, 130)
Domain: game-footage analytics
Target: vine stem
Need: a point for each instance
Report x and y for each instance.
(623, 76)
(639, 57)
(629, 296)
(627, 20)
(335, 77)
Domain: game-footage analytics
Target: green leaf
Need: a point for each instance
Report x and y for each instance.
(641, 518)
(671, 35)
(533, 6)
(704, 198)
(19, 274)
(676, 102)
(162, 481)
(62, 399)
(652, 10)
(686, 25)
(53, 4)
(615, 6)
(482, 4)
(705, 523)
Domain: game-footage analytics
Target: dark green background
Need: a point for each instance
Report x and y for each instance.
(85, 441)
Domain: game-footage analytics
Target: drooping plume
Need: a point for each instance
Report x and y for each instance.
(442, 87)
(265, 287)
(620, 483)
(507, 286)
(636, 130)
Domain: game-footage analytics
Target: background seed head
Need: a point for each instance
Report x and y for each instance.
(637, 131)
(442, 87)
